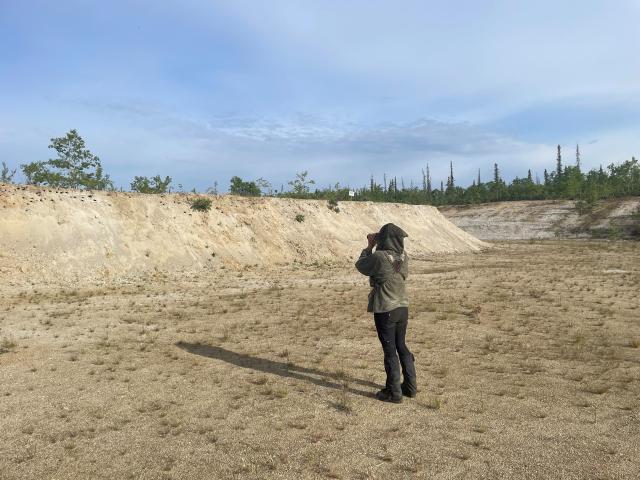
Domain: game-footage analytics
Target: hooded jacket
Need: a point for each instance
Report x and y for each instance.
(387, 269)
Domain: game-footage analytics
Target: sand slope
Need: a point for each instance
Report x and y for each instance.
(56, 233)
(544, 219)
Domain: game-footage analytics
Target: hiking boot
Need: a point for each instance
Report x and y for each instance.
(385, 395)
(406, 392)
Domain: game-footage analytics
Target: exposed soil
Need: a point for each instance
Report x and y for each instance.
(618, 218)
(54, 234)
(528, 358)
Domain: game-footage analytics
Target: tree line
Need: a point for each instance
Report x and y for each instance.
(76, 167)
(564, 182)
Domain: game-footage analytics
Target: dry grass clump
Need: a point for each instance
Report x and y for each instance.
(343, 402)
(274, 393)
(634, 343)
(597, 388)
(7, 345)
(431, 402)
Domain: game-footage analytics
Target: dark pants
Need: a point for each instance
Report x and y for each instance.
(392, 328)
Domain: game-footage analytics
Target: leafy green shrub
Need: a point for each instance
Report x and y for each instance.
(201, 204)
(612, 232)
(299, 218)
(245, 189)
(150, 185)
(332, 205)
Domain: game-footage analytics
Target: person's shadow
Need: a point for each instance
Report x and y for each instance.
(336, 381)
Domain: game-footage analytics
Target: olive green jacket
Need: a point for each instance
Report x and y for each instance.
(387, 285)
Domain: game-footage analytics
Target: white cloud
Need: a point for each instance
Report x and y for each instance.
(207, 89)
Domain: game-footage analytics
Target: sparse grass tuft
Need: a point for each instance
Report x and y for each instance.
(431, 403)
(7, 345)
(440, 371)
(274, 392)
(596, 388)
(332, 204)
(259, 380)
(343, 402)
(531, 366)
(201, 204)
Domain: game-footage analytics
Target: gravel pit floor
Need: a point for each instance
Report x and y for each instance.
(528, 358)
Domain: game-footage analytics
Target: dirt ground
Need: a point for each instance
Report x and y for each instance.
(614, 219)
(528, 358)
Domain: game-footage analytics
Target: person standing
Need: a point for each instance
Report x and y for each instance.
(388, 269)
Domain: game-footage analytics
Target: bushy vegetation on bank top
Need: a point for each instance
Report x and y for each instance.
(76, 167)
(564, 182)
(151, 185)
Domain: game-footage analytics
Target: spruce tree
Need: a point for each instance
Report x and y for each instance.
(6, 175)
(497, 183)
(559, 163)
(451, 180)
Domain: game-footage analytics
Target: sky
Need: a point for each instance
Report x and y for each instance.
(202, 90)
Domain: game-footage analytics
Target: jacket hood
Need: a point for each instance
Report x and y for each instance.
(391, 237)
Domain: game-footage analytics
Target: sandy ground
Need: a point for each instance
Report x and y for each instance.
(528, 360)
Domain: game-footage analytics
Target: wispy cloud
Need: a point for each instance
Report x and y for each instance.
(203, 90)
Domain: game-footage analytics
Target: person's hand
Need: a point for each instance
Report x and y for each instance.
(372, 238)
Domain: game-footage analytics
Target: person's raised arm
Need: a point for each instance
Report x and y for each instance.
(368, 263)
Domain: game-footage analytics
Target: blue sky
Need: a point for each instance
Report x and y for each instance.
(204, 90)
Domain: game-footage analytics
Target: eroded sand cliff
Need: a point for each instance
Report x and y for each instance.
(56, 233)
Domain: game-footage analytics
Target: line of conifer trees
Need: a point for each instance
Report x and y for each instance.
(565, 182)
